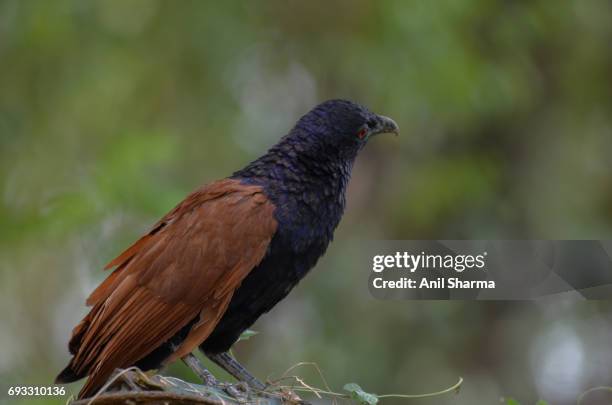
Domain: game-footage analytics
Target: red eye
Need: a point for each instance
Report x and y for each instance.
(362, 133)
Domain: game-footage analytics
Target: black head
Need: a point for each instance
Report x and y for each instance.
(326, 139)
(342, 125)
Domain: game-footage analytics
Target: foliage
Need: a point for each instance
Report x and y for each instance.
(247, 334)
(360, 395)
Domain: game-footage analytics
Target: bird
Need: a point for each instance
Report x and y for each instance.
(225, 255)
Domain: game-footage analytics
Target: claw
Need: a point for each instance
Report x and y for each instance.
(237, 391)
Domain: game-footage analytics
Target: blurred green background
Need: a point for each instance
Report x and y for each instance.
(112, 111)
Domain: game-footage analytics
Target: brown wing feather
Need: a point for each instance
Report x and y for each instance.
(190, 263)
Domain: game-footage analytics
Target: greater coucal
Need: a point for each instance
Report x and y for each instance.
(226, 254)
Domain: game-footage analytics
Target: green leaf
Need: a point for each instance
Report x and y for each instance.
(541, 402)
(358, 394)
(512, 401)
(247, 334)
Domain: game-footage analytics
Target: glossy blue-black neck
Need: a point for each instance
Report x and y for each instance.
(305, 175)
(306, 184)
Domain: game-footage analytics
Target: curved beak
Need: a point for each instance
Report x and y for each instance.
(386, 126)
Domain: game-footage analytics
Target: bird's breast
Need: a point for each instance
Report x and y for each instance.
(308, 222)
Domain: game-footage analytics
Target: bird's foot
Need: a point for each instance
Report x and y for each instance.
(147, 380)
(134, 380)
(127, 378)
(240, 391)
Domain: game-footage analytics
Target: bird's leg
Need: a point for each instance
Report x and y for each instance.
(234, 368)
(197, 367)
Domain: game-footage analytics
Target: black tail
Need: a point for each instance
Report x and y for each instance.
(67, 375)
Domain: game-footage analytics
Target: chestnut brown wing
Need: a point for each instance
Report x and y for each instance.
(190, 264)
